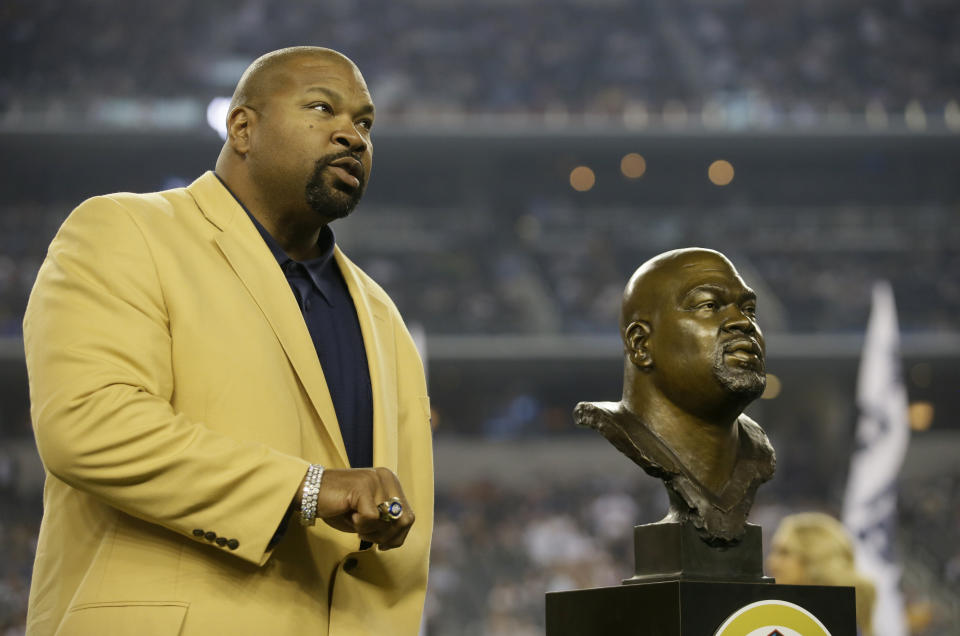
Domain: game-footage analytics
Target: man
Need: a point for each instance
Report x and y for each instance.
(209, 374)
(694, 359)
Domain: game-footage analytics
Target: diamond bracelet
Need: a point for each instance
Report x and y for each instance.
(308, 499)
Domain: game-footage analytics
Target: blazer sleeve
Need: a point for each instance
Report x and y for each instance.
(98, 353)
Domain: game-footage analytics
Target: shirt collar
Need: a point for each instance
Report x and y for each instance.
(315, 267)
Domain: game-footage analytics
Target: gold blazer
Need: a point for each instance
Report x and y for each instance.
(177, 399)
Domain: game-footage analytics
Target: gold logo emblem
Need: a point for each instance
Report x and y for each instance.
(772, 618)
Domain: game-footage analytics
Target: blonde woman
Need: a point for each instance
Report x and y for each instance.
(813, 548)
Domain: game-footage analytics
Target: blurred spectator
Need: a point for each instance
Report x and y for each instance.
(813, 548)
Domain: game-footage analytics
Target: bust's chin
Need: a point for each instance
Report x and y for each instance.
(745, 383)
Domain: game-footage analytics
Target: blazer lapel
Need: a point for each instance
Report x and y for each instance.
(255, 266)
(375, 325)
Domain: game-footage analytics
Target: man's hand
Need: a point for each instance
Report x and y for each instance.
(348, 502)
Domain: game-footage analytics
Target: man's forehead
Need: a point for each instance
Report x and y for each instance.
(316, 71)
(326, 67)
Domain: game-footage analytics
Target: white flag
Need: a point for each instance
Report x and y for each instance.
(883, 432)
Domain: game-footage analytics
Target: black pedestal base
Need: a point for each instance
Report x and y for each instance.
(674, 552)
(686, 608)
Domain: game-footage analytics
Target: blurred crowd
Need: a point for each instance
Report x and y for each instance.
(559, 268)
(556, 268)
(19, 527)
(931, 508)
(762, 60)
(496, 552)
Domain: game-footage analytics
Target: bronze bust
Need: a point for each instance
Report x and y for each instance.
(694, 359)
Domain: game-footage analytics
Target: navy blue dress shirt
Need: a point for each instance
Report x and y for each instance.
(331, 318)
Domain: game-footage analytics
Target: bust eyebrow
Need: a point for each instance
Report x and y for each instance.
(748, 294)
(710, 288)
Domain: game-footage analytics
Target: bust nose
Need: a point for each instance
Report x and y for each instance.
(739, 321)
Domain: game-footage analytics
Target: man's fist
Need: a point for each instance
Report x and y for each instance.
(348, 501)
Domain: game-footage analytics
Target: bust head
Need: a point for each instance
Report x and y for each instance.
(691, 338)
(693, 360)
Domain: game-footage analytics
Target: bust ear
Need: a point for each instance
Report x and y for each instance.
(635, 337)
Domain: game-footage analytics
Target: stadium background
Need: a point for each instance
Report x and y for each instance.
(841, 123)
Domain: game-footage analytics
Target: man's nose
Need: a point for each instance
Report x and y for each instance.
(348, 137)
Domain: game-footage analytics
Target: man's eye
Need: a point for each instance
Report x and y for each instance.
(750, 310)
(323, 107)
(709, 304)
(365, 124)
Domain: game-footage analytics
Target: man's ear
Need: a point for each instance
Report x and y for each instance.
(238, 128)
(636, 337)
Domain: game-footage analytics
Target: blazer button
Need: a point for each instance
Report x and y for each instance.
(210, 536)
(350, 565)
(221, 541)
(198, 532)
(233, 544)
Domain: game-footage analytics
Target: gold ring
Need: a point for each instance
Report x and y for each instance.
(390, 510)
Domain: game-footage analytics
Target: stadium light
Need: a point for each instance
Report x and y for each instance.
(633, 165)
(217, 111)
(582, 178)
(720, 172)
(774, 386)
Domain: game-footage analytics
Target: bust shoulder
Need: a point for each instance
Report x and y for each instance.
(630, 435)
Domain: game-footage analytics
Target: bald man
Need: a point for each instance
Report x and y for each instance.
(210, 375)
(693, 360)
